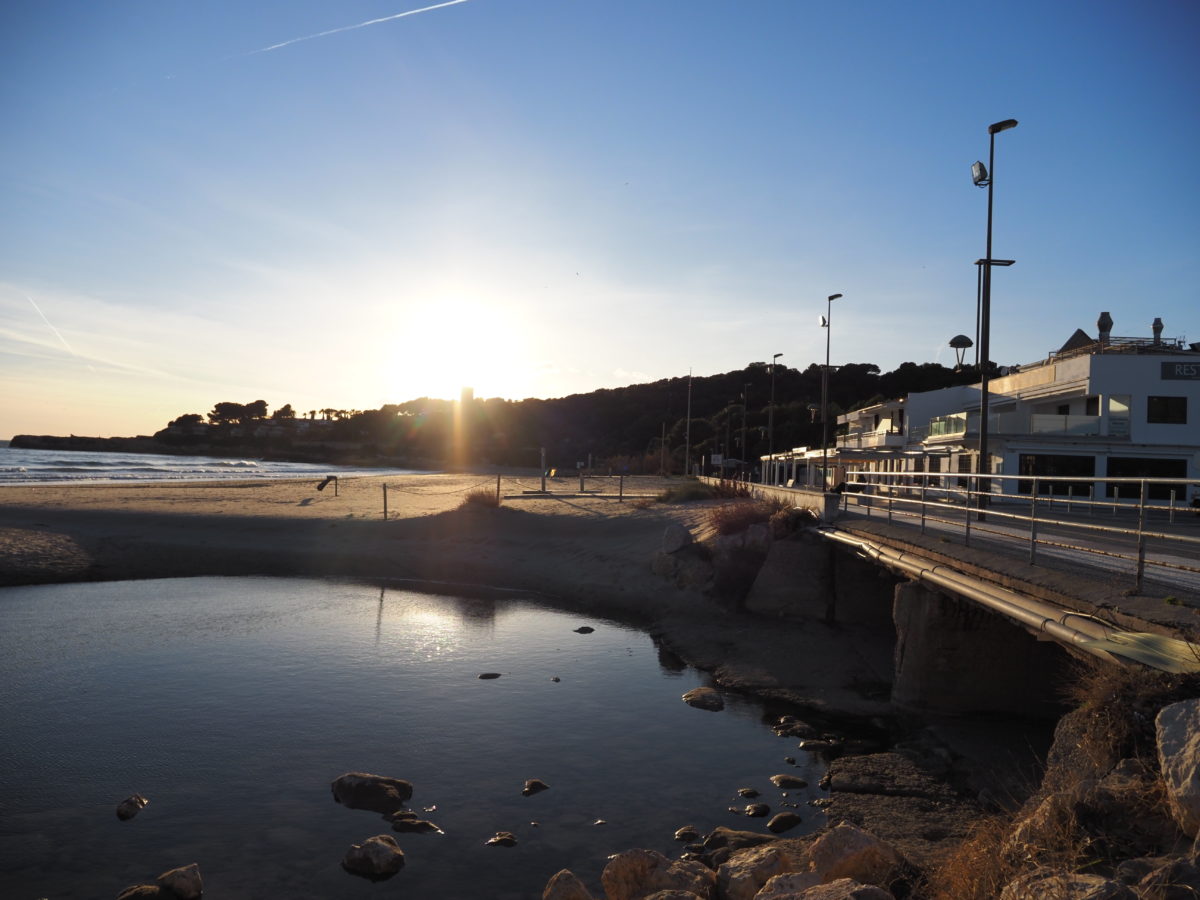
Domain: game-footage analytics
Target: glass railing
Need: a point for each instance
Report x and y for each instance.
(1040, 423)
(944, 426)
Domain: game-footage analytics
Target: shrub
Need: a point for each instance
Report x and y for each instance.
(480, 497)
(732, 518)
(728, 489)
(686, 493)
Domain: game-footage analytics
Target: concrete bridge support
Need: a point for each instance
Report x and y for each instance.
(953, 656)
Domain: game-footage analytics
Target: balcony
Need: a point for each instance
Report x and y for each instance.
(863, 440)
(1041, 423)
(947, 426)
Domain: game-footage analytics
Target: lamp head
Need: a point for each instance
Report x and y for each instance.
(1002, 126)
(776, 356)
(979, 174)
(960, 343)
(834, 296)
(824, 321)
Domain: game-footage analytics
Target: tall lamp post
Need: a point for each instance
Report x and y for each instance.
(771, 424)
(985, 177)
(825, 323)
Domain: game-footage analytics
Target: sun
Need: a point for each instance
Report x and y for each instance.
(456, 342)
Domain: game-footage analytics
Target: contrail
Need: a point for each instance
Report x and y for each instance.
(309, 37)
(57, 334)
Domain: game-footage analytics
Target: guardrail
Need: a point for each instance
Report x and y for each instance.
(1043, 512)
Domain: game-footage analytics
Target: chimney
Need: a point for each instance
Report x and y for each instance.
(1157, 328)
(1104, 323)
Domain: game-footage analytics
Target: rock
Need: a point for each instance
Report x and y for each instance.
(565, 885)
(788, 781)
(415, 826)
(818, 745)
(144, 892)
(1042, 883)
(534, 786)
(584, 629)
(846, 851)
(184, 882)
(744, 873)
(687, 833)
(556, 679)
(843, 889)
(378, 793)
(675, 538)
(784, 821)
(790, 726)
(634, 874)
(376, 858)
(487, 676)
(1178, 730)
(131, 806)
(757, 810)
(672, 895)
(788, 886)
(704, 698)
(790, 760)
(502, 839)
(747, 792)
(600, 822)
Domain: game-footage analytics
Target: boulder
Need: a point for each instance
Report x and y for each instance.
(378, 793)
(675, 538)
(145, 892)
(502, 839)
(565, 885)
(131, 806)
(843, 889)
(704, 698)
(635, 874)
(784, 821)
(788, 886)
(184, 882)
(1178, 731)
(1174, 879)
(790, 726)
(741, 877)
(721, 843)
(1042, 883)
(672, 895)
(375, 858)
(785, 782)
(757, 810)
(413, 825)
(846, 851)
(687, 833)
(534, 786)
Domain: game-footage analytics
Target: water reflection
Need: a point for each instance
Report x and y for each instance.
(232, 703)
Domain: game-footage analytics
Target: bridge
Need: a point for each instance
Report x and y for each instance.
(983, 596)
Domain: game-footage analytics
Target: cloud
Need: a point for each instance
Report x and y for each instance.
(309, 37)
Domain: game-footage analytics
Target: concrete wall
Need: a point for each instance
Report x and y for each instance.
(954, 656)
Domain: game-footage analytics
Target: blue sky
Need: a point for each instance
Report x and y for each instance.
(544, 197)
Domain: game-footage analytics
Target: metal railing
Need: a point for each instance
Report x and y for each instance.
(1110, 518)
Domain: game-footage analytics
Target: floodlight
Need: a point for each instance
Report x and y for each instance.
(1002, 126)
(979, 174)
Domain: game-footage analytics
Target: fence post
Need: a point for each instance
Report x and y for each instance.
(497, 490)
(543, 470)
(967, 514)
(1171, 509)
(385, 514)
(581, 481)
(1116, 499)
(1033, 524)
(1070, 496)
(1141, 556)
(621, 489)
(922, 505)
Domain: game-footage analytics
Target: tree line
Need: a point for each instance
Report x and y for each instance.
(636, 428)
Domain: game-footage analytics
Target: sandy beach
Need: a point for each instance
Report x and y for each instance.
(590, 551)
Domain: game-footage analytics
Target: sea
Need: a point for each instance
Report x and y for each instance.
(19, 466)
(232, 703)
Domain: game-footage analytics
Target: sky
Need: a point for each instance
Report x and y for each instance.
(364, 202)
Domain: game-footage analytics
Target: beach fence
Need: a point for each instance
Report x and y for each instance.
(551, 484)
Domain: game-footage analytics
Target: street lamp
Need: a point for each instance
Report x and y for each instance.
(825, 323)
(961, 344)
(985, 177)
(745, 454)
(771, 423)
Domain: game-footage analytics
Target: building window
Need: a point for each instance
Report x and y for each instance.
(1166, 410)
(1064, 409)
(1091, 406)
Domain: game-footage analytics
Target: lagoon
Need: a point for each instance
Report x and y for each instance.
(231, 703)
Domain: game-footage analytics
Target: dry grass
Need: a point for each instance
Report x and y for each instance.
(687, 492)
(480, 497)
(736, 517)
(728, 489)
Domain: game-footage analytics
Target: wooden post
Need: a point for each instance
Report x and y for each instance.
(621, 490)
(497, 490)
(385, 513)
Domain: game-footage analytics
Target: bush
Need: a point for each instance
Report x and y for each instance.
(728, 489)
(480, 497)
(732, 518)
(687, 493)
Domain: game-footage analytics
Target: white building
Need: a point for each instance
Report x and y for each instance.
(1098, 407)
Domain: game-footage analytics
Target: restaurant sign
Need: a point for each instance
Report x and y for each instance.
(1181, 371)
